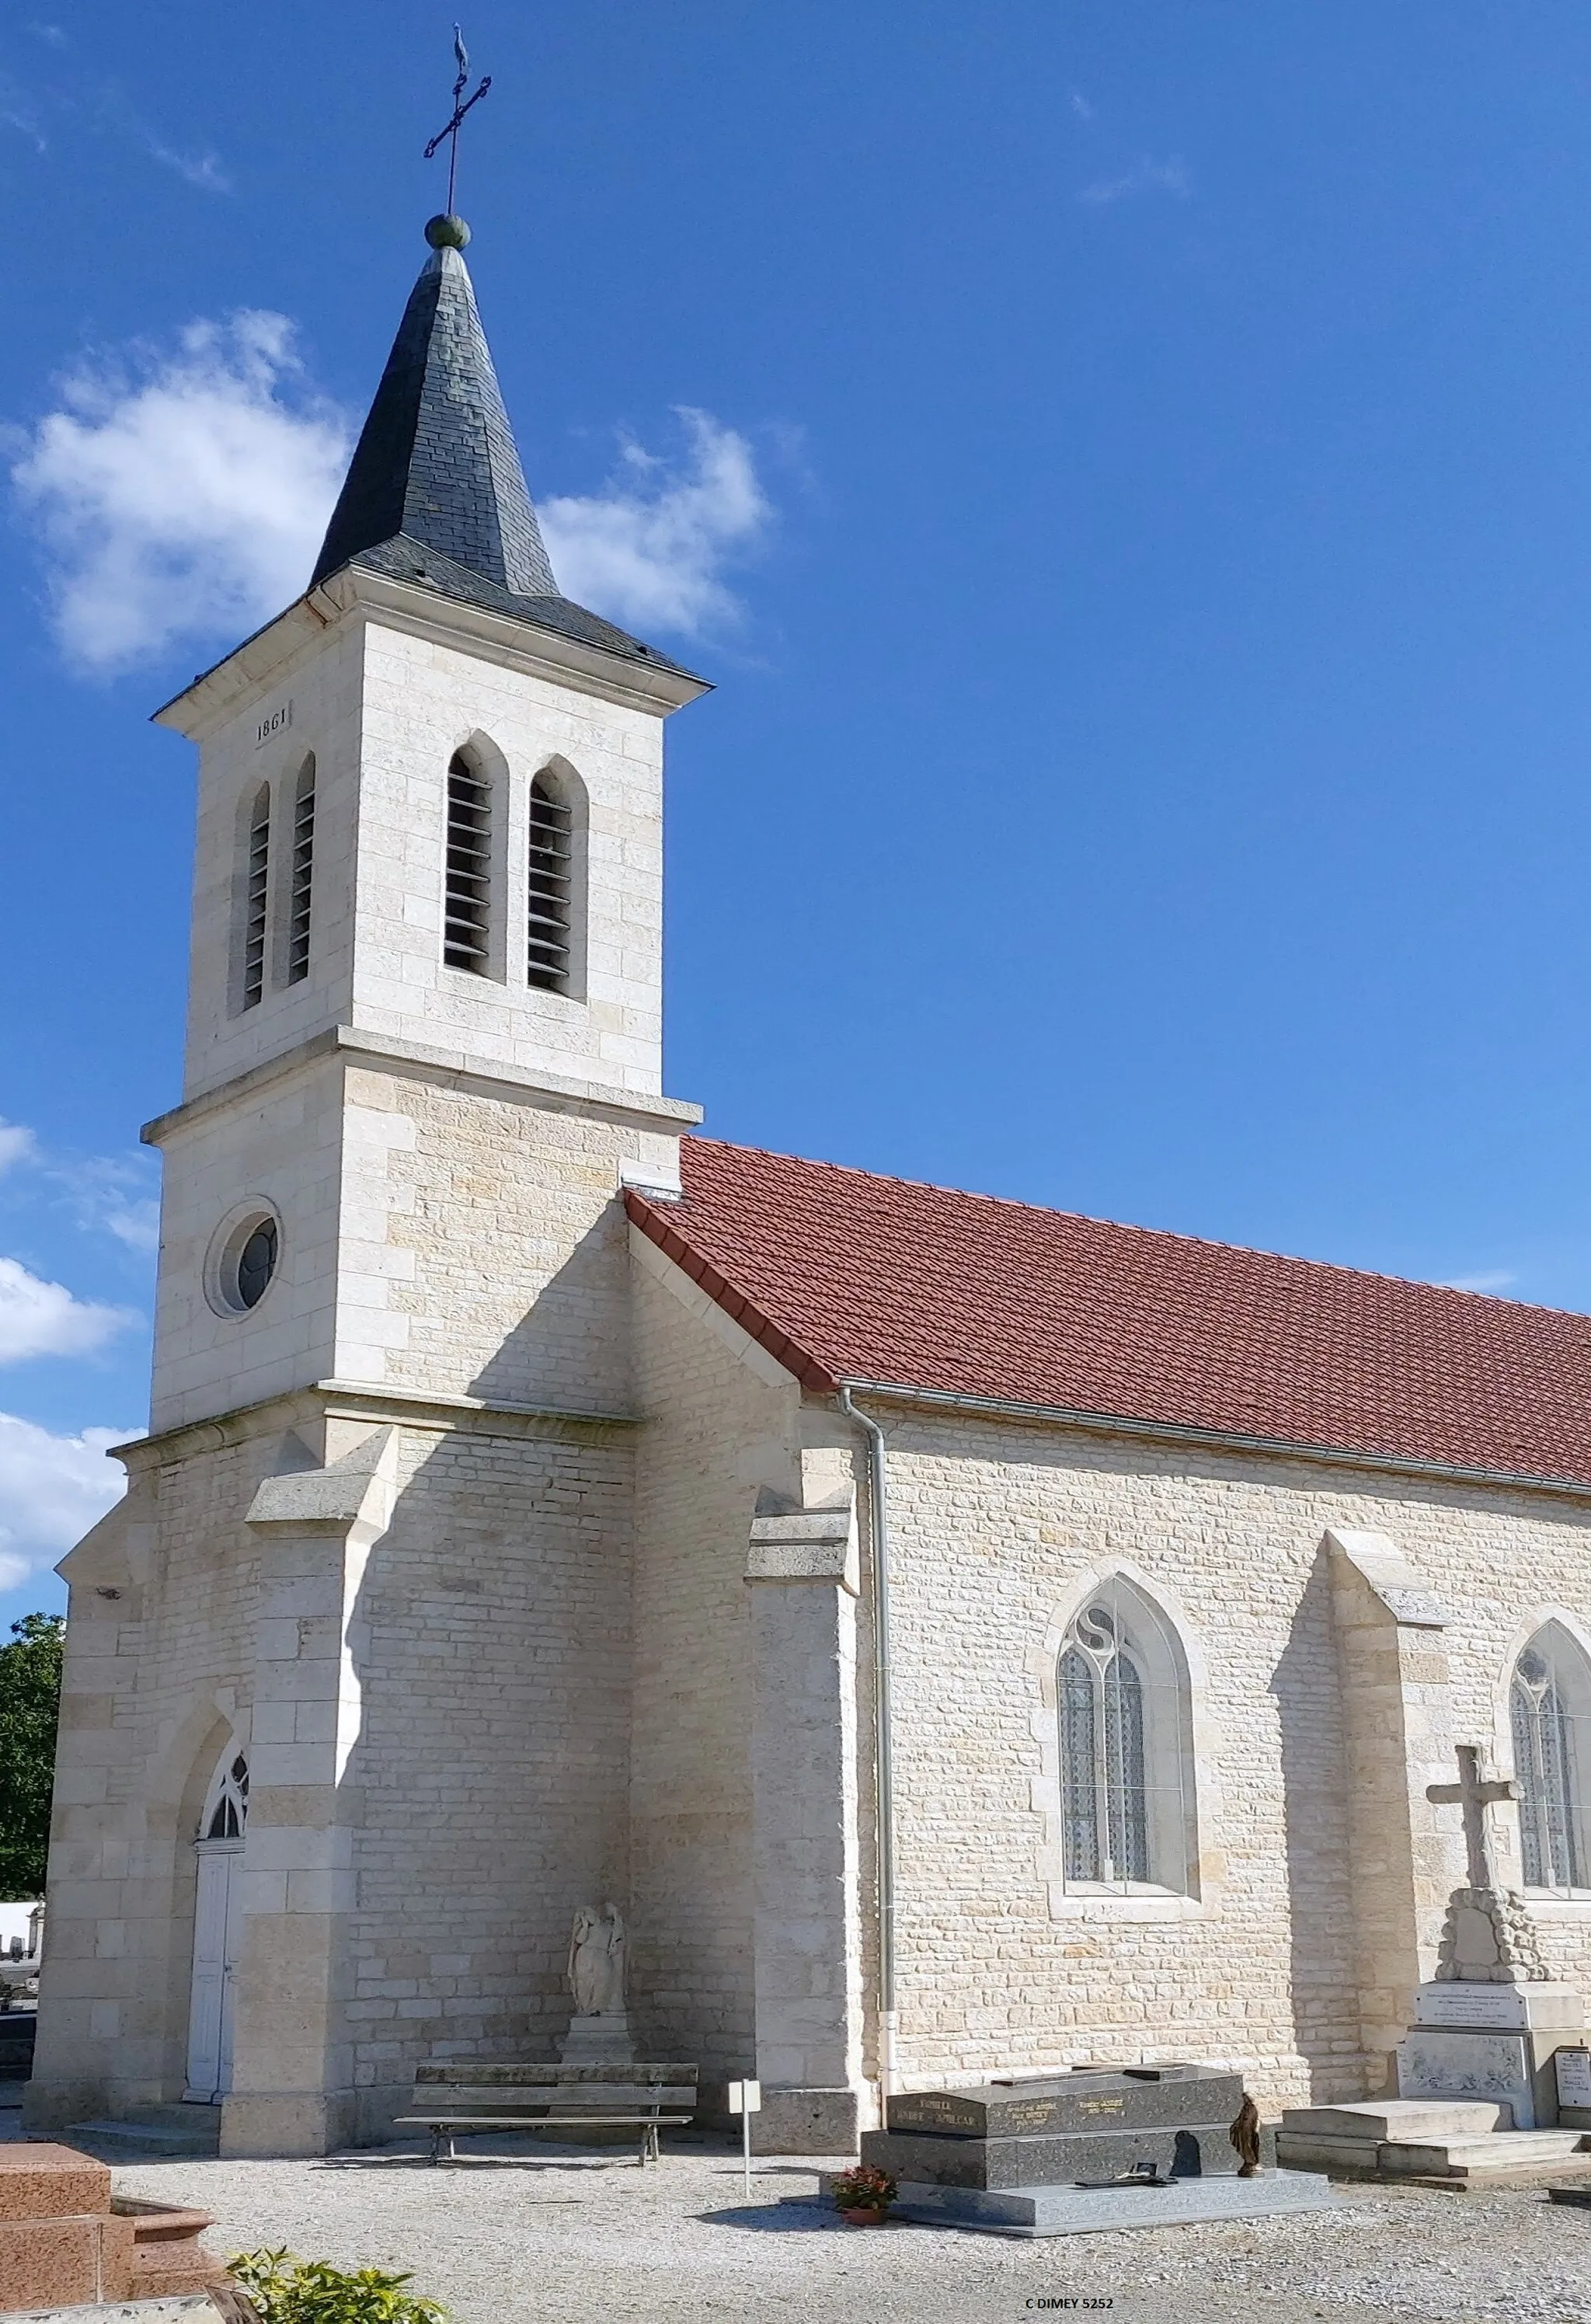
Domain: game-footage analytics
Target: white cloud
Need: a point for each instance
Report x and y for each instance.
(1493, 1278)
(181, 495)
(116, 1197)
(19, 112)
(52, 1489)
(44, 1319)
(1145, 176)
(650, 552)
(201, 170)
(1081, 105)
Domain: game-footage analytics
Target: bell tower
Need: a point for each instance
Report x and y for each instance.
(429, 859)
(376, 1551)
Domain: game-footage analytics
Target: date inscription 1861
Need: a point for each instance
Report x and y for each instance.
(277, 719)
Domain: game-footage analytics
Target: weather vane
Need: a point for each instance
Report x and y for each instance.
(461, 106)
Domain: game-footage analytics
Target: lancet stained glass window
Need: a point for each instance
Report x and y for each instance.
(1126, 1789)
(1548, 1699)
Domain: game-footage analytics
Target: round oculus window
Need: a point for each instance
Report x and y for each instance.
(242, 1260)
(256, 1264)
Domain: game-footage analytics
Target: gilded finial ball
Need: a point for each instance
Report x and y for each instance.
(446, 233)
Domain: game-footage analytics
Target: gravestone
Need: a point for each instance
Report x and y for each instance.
(1086, 2125)
(1574, 2087)
(1486, 2028)
(65, 2239)
(1096, 2149)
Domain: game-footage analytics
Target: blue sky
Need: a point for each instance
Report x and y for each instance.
(1127, 468)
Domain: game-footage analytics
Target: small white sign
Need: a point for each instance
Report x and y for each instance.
(745, 2097)
(275, 722)
(1574, 2078)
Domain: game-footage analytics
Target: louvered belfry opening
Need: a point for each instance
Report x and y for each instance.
(302, 875)
(256, 899)
(467, 919)
(552, 824)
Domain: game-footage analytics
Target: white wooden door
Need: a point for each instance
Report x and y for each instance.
(217, 1936)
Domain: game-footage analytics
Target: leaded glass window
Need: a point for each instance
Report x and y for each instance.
(1547, 1701)
(1125, 1785)
(227, 1809)
(1079, 1794)
(1127, 1790)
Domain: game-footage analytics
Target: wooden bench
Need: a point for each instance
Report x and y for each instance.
(470, 2098)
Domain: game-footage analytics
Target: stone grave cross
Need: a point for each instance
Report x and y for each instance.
(1474, 1796)
(1487, 1933)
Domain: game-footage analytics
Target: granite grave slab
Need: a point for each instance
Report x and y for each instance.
(1092, 2124)
(1098, 2210)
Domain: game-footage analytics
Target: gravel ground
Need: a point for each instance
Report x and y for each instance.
(561, 2238)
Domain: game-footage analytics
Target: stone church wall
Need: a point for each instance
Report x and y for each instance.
(714, 1430)
(492, 1757)
(998, 1533)
(485, 1249)
(157, 1678)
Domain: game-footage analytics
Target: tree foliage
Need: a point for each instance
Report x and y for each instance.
(30, 1698)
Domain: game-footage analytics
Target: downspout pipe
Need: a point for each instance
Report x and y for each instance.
(884, 1772)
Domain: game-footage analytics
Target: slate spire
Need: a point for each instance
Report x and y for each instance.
(435, 466)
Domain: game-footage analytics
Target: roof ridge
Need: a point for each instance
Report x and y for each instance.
(1485, 1299)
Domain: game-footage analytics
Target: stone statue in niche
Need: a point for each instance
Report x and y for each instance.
(596, 1961)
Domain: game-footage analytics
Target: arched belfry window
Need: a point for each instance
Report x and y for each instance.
(256, 900)
(551, 897)
(302, 873)
(466, 906)
(226, 1807)
(1126, 1771)
(1550, 1714)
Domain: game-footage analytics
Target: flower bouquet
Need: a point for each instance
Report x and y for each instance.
(862, 2197)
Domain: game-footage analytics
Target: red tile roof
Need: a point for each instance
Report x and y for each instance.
(848, 1276)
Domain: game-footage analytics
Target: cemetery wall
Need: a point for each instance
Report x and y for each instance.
(999, 1532)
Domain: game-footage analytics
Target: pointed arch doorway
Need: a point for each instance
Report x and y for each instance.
(217, 1929)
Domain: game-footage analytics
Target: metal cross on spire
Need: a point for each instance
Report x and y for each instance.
(461, 106)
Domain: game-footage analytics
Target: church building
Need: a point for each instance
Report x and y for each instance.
(961, 1639)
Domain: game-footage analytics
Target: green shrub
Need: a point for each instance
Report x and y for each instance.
(288, 2291)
